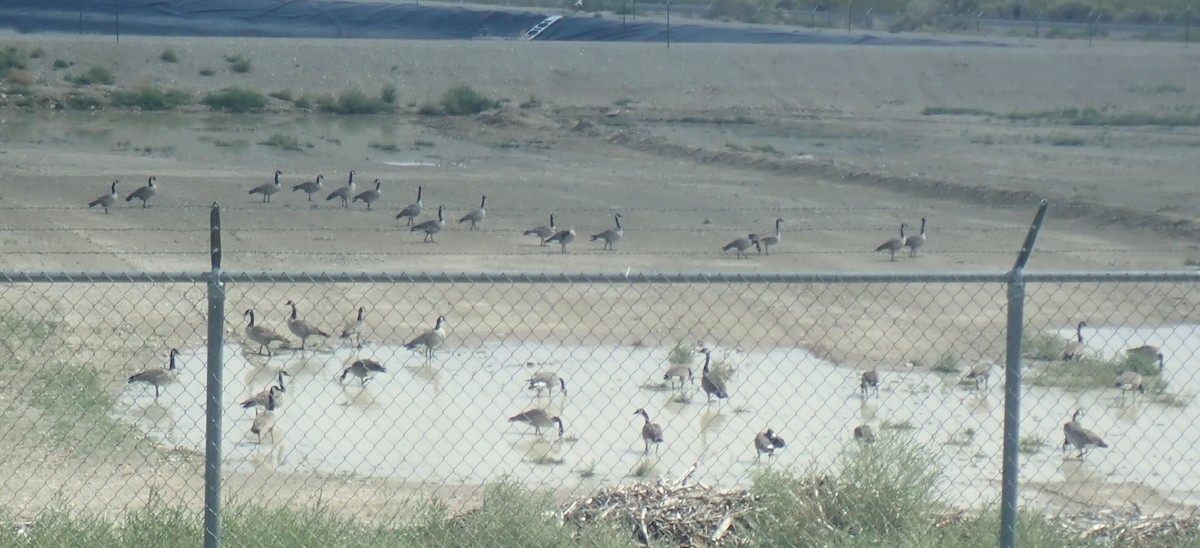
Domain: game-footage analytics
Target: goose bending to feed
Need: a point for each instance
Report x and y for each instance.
(475, 216)
(412, 210)
(981, 373)
(429, 340)
(158, 377)
(712, 385)
(310, 187)
(364, 369)
(106, 201)
(740, 245)
(144, 193)
(261, 398)
(864, 433)
(370, 196)
(563, 237)
(769, 241)
(766, 443)
(916, 242)
(539, 419)
(261, 334)
(344, 192)
(870, 381)
(269, 189)
(1074, 349)
(545, 380)
(301, 328)
(265, 421)
(1080, 437)
(680, 373)
(895, 244)
(1130, 381)
(652, 432)
(432, 226)
(543, 232)
(612, 235)
(353, 328)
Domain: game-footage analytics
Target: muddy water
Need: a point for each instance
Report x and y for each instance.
(444, 421)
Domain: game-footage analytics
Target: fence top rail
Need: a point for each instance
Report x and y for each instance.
(583, 278)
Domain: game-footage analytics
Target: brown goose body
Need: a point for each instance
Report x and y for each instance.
(309, 187)
(767, 443)
(144, 193)
(1074, 349)
(106, 201)
(562, 237)
(301, 328)
(429, 341)
(431, 227)
(895, 244)
(1080, 437)
(344, 192)
(364, 369)
(652, 432)
(158, 377)
(538, 419)
(269, 189)
(261, 334)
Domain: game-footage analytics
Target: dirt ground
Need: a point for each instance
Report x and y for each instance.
(695, 145)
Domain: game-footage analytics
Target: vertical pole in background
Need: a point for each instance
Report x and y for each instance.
(213, 407)
(668, 24)
(1012, 386)
(849, 10)
(1187, 27)
(118, 4)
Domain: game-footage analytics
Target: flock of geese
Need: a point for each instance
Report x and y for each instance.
(546, 234)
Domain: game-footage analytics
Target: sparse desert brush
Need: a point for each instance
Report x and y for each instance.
(20, 78)
(238, 63)
(279, 140)
(463, 100)
(169, 56)
(150, 98)
(235, 99)
(354, 102)
(94, 75)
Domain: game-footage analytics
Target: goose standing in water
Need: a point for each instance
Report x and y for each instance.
(766, 443)
(539, 419)
(651, 432)
(1080, 437)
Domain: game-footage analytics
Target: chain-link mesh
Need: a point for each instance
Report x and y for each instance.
(363, 426)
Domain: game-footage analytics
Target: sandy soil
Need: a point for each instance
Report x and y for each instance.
(695, 145)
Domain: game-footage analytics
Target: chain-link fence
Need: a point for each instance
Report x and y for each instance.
(363, 425)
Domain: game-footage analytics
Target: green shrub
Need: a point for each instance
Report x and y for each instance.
(235, 99)
(283, 95)
(238, 63)
(682, 354)
(1092, 373)
(11, 59)
(304, 101)
(429, 109)
(464, 100)
(353, 102)
(61, 64)
(388, 147)
(94, 75)
(83, 101)
(150, 98)
(207, 72)
(169, 56)
(286, 142)
(388, 94)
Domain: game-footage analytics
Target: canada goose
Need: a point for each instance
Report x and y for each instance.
(370, 196)
(144, 193)
(344, 192)
(261, 334)
(612, 235)
(269, 189)
(769, 241)
(767, 443)
(475, 216)
(1130, 381)
(981, 373)
(680, 372)
(651, 432)
(301, 328)
(713, 386)
(1080, 437)
(364, 369)
(870, 380)
(430, 340)
(864, 433)
(412, 210)
(740, 245)
(353, 328)
(158, 377)
(539, 419)
(895, 244)
(1148, 352)
(915, 242)
(261, 397)
(431, 227)
(545, 380)
(542, 232)
(309, 187)
(106, 201)
(1074, 349)
(563, 237)
(265, 421)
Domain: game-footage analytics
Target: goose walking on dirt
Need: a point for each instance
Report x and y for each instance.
(1074, 349)
(412, 210)
(106, 201)
(310, 187)
(542, 232)
(370, 196)
(264, 423)
(1080, 437)
(353, 328)
(364, 369)
(431, 227)
(344, 192)
(915, 243)
(769, 241)
(158, 377)
(261, 334)
(981, 373)
(767, 443)
(429, 341)
(740, 245)
(144, 193)
(563, 237)
(712, 385)
(895, 244)
(269, 189)
(301, 328)
(612, 235)
(260, 399)
(475, 216)
(869, 381)
(539, 419)
(545, 380)
(652, 432)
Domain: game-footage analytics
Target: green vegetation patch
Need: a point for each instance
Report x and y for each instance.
(954, 111)
(354, 102)
(286, 142)
(151, 98)
(1183, 117)
(12, 59)
(1091, 373)
(464, 100)
(94, 75)
(169, 56)
(235, 99)
(238, 63)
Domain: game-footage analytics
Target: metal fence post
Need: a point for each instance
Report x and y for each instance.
(213, 407)
(1012, 386)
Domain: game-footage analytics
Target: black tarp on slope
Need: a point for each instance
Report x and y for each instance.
(340, 19)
